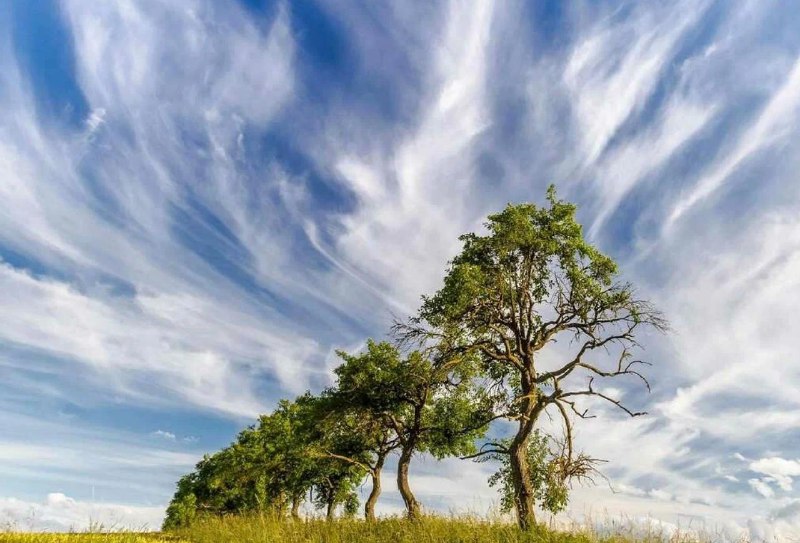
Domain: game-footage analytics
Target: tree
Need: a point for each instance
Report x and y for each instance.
(410, 403)
(358, 436)
(531, 279)
(183, 507)
(270, 466)
(293, 450)
(549, 475)
(219, 484)
(282, 444)
(335, 485)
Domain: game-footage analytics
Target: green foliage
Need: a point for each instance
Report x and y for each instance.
(528, 257)
(546, 476)
(433, 401)
(336, 487)
(269, 466)
(181, 511)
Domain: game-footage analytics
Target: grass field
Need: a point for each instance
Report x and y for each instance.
(429, 530)
(89, 538)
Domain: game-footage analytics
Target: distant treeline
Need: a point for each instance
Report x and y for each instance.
(475, 353)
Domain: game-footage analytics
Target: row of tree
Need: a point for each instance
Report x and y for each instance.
(474, 354)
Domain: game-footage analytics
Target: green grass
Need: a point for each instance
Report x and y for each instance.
(430, 530)
(120, 537)
(264, 529)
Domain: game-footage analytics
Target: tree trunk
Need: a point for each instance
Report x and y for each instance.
(521, 479)
(281, 509)
(369, 506)
(412, 506)
(331, 510)
(520, 468)
(296, 502)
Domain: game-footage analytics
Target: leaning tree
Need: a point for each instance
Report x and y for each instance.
(532, 279)
(410, 402)
(356, 434)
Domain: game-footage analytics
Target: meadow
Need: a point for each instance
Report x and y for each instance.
(265, 529)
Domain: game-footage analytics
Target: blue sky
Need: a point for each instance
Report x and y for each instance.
(202, 201)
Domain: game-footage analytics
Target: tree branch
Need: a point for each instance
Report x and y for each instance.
(591, 392)
(499, 448)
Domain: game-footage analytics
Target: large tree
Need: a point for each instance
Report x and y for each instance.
(410, 402)
(528, 281)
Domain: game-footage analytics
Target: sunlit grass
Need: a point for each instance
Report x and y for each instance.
(257, 529)
(121, 537)
(266, 529)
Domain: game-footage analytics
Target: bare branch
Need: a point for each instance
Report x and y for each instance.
(591, 392)
(499, 448)
(622, 368)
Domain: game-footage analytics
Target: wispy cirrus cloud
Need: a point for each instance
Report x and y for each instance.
(615, 66)
(777, 120)
(247, 189)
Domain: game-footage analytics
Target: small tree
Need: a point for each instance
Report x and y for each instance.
(182, 509)
(336, 485)
(221, 483)
(530, 280)
(283, 445)
(297, 447)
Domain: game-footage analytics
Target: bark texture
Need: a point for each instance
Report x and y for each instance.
(523, 491)
(520, 468)
(412, 505)
(369, 506)
(296, 501)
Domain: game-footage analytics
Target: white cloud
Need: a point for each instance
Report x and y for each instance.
(760, 486)
(169, 436)
(95, 120)
(60, 513)
(625, 166)
(398, 202)
(774, 123)
(184, 311)
(115, 336)
(782, 524)
(660, 494)
(615, 67)
(779, 470)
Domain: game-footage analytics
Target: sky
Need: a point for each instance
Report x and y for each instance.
(202, 201)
